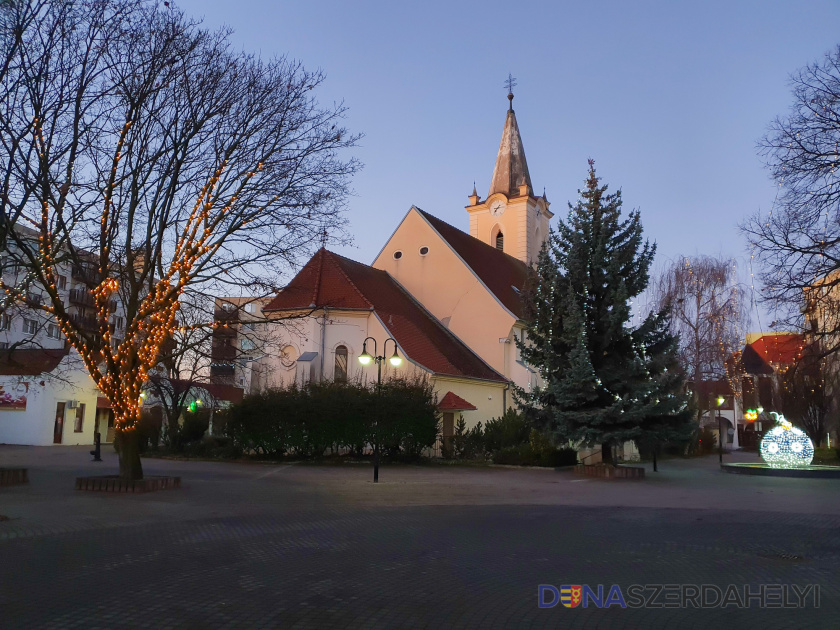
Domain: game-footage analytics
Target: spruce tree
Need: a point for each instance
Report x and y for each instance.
(604, 382)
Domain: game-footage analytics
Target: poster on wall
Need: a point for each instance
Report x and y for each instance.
(13, 397)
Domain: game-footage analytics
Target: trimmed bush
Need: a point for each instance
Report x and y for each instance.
(306, 421)
(510, 430)
(525, 455)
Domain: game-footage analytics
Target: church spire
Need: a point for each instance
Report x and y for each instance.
(511, 168)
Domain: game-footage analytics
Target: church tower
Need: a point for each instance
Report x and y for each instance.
(511, 218)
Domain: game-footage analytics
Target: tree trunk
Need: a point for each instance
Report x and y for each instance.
(606, 454)
(128, 449)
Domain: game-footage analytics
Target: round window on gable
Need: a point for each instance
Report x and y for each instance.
(397, 255)
(424, 250)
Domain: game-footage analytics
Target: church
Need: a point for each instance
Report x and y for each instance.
(445, 301)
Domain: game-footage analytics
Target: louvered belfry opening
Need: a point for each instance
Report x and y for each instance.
(500, 242)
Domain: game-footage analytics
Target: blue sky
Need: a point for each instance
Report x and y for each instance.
(669, 98)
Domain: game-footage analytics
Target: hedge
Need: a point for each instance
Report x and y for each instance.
(306, 420)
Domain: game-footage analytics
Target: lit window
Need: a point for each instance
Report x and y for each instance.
(340, 374)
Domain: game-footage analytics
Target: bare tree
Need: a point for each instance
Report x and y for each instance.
(158, 162)
(798, 241)
(704, 299)
(805, 394)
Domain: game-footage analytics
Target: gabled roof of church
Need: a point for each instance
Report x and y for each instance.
(511, 168)
(332, 281)
(504, 275)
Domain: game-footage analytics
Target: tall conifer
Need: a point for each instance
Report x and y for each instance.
(604, 382)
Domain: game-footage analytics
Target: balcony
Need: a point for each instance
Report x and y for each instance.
(87, 274)
(84, 322)
(224, 352)
(222, 369)
(81, 297)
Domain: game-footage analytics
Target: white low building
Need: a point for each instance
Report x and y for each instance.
(45, 398)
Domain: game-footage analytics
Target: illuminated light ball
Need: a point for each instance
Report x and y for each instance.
(785, 446)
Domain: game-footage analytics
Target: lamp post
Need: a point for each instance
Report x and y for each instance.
(720, 401)
(365, 358)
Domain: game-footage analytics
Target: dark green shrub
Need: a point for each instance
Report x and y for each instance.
(213, 447)
(149, 428)
(306, 421)
(194, 425)
(526, 455)
(510, 430)
(706, 441)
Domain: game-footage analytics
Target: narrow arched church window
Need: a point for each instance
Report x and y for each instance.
(340, 373)
(500, 241)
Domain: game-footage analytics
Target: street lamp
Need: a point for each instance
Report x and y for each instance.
(365, 358)
(720, 401)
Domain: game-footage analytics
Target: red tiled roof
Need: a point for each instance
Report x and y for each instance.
(779, 349)
(30, 361)
(330, 280)
(503, 274)
(321, 282)
(451, 402)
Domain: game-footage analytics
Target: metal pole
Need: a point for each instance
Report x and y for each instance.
(378, 411)
(720, 437)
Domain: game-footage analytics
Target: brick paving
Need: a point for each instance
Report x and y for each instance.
(279, 546)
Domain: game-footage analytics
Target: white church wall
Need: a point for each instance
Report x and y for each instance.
(340, 328)
(488, 397)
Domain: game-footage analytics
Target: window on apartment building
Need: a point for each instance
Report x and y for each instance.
(5, 322)
(4, 345)
(80, 418)
(53, 331)
(340, 374)
(62, 282)
(30, 326)
(246, 344)
(119, 323)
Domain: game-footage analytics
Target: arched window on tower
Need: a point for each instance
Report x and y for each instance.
(340, 373)
(500, 241)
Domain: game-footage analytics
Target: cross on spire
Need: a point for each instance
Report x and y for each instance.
(510, 83)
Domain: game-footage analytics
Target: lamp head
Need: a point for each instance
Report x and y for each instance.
(365, 358)
(396, 360)
(720, 400)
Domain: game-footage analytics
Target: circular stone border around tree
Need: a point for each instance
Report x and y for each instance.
(114, 483)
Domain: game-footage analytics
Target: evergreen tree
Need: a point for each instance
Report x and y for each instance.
(603, 381)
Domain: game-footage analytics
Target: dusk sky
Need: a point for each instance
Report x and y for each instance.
(669, 99)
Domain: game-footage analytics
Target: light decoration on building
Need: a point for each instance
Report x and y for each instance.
(785, 446)
(751, 415)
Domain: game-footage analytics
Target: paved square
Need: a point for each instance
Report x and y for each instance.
(303, 546)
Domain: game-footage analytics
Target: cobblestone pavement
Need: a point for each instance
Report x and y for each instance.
(278, 546)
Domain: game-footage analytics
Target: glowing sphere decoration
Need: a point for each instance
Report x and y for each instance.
(785, 446)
